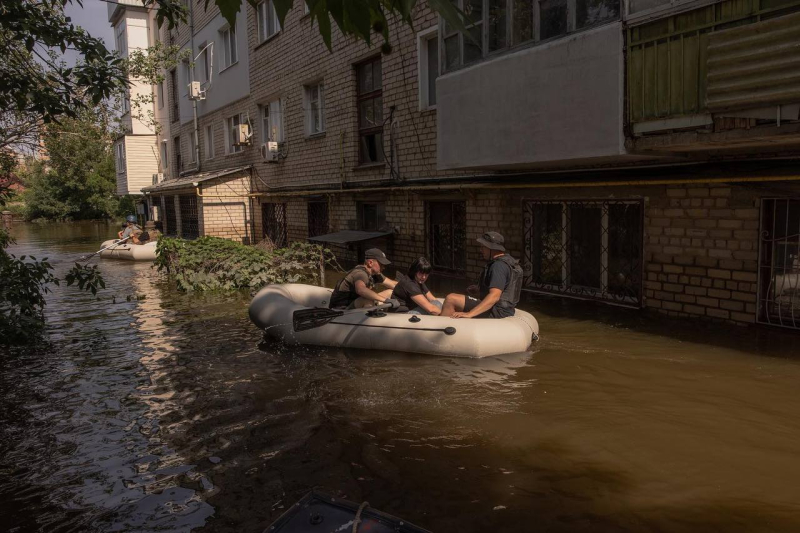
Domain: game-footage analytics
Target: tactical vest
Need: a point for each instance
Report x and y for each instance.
(510, 296)
(340, 298)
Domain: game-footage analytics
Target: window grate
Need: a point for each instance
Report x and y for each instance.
(171, 217)
(779, 263)
(585, 249)
(273, 221)
(447, 235)
(190, 225)
(317, 218)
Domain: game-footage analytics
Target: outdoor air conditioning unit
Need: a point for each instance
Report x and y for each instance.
(269, 152)
(158, 178)
(195, 92)
(241, 134)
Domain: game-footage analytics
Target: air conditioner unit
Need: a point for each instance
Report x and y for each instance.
(269, 152)
(158, 178)
(241, 134)
(195, 92)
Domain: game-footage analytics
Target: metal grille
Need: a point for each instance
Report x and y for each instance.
(779, 263)
(447, 235)
(170, 217)
(190, 226)
(273, 221)
(585, 249)
(317, 218)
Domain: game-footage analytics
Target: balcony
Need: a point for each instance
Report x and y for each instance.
(723, 78)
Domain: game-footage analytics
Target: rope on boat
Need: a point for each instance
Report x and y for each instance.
(357, 519)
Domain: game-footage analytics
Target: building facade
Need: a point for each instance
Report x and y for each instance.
(639, 153)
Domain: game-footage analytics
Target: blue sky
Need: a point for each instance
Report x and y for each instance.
(93, 17)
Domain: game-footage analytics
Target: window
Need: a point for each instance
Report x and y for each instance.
(306, 10)
(210, 141)
(779, 263)
(160, 94)
(177, 150)
(121, 38)
(173, 80)
(271, 122)
(164, 157)
(170, 217)
(371, 215)
(267, 20)
(317, 218)
(192, 149)
(121, 156)
(496, 25)
(205, 62)
(187, 77)
(370, 112)
(229, 49)
(315, 119)
(586, 249)
(231, 128)
(273, 221)
(447, 235)
(428, 69)
(190, 223)
(125, 101)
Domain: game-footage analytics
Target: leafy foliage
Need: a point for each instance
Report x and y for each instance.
(79, 180)
(86, 277)
(212, 263)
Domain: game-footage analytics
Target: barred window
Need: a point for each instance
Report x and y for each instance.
(447, 235)
(371, 215)
(779, 263)
(190, 224)
(273, 220)
(170, 216)
(589, 249)
(317, 218)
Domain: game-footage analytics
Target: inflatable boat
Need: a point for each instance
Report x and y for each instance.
(131, 252)
(273, 309)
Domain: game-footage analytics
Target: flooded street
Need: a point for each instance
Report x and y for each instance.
(152, 409)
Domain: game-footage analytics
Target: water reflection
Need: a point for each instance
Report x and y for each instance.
(155, 410)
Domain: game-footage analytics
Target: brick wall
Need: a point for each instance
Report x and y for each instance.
(702, 252)
(226, 208)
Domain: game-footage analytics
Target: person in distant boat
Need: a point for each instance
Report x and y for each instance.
(412, 293)
(130, 227)
(497, 293)
(355, 289)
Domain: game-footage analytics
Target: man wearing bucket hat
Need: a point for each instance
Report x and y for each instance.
(498, 287)
(355, 289)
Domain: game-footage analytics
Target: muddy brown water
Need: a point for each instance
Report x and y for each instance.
(153, 410)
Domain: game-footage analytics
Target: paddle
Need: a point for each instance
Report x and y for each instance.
(116, 243)
(305, 319)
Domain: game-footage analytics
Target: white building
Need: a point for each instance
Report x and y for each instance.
(138, 152)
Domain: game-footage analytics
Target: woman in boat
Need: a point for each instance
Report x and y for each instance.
(412, 293)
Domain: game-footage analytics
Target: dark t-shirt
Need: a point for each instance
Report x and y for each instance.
(345, 292)
(406, 289)
(498, 277)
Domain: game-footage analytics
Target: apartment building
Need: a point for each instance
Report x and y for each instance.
(640, 153)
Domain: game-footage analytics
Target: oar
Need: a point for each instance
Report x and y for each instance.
(116, 243)
(305, 319)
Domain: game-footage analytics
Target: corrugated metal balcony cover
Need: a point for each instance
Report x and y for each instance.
(756, 65)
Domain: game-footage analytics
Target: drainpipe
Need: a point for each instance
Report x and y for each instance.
(196, 131)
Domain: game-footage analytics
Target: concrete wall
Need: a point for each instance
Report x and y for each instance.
(558, 101)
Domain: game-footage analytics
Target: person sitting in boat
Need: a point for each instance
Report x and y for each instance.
(497, 293)
(355, 289)
(412, 293)
(130, 227)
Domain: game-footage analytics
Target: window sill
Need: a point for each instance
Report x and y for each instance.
(313, 136)
(265, 41)
(226, 68)
(428, 109)
(370, 166)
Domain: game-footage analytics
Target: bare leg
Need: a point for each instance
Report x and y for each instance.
(454, 303)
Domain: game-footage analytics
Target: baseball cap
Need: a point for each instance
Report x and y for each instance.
(377, 255)
(493, 241)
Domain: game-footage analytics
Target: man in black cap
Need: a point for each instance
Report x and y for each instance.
(355, 289)
(498, 289)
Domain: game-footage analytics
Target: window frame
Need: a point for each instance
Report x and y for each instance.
(380, 214)
(373, 95)
(228, 126)
(192, 149)
(177, 148)
(209, 142)
(309, 113)
(121, 157)
(265, 22)
(230, 54)
(458, 265)
(425, 40)
(272, 113)
(176, 110)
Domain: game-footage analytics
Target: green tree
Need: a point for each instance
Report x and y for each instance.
(78, 179)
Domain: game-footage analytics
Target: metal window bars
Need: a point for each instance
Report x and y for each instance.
(318, 222)
(273, 223)
(447, 235)
(590, 249)
(779, 263)
(190, 225)
(170, 216)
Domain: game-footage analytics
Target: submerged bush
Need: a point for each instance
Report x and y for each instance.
(212, 263)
